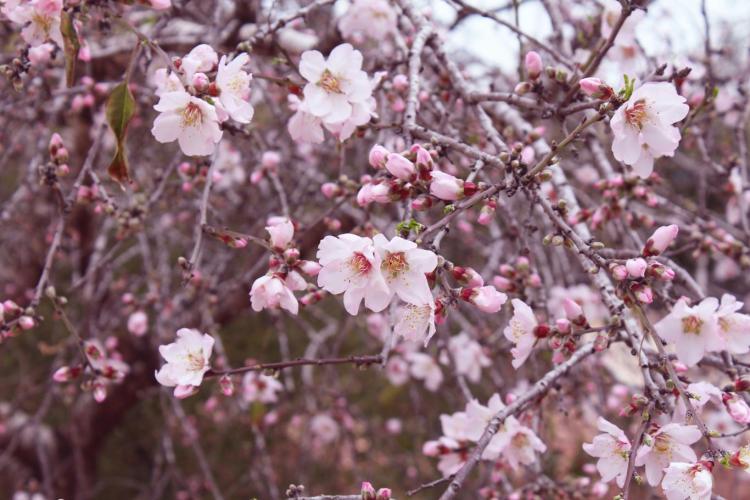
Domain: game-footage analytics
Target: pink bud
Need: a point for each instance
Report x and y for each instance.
(378, 155)
(398, 105)
(486, 298)
(636, 267)
(66, 373)
(534, 281)
(270, 160)
(55, 143)
(26, 322)
(400, 82)
(736, 407)
(503, 284)
(423, 157)
(185, 168)
(138, 323)
(256, 177)
(41, 54)
(200, 82)
(446, 187)
(467, 276)
(563, 325)
(522, 88)
(573, 311)
(643, 294)
(309, 267)
(369, 193)
(330, 190)
(399, 166)
(533, 62)
(161, 4)
(619, 272)
(421, 203)
(383, 494)
(660, 240)
(280, 233)
(227, 386)
(367, 491)
(596, 88)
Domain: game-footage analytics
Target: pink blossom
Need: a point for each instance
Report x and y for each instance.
(468, 356)
(520, 331)
(612, 448)
(404, 267)
(187, 361)
(234, 88)
(643, 126)
(736, 407)
(257, 387)
(416, 322)
(335, 84)
(691, 481)
(41, 54)
(670, 442)
(596, 88)
(281, 233)
(734, 327)
(202, 58)
(486, 298)
(161, 4)
(423, 367)
(350, 265)
(373, 193)
(400, 82)
(374, 19)
(271, 292)
(446, 187)
(189, 120)
(692, 330)
(660, 240)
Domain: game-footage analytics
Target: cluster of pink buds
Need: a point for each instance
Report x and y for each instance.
(103, 364)
(14, 320)
(92, 91)
(368, 492)
(563, 336)
(192, 175)
(637, 403)
(516, 277)
(615, 193)
(59, 155)
(635, 275)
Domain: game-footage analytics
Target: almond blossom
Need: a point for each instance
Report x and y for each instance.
(234, 88)
(691, 481)
(643, 126)
(404, 268)
(187, 361)
(257, 387)
(416, 322)
(520, 331)
(612, 448)
(520, 444)
(271, 292)
(40, 19)
(374, 19)
(734, 327)
(351, 265)
(693, 330)
(669, 443)
(281, 233)
(424, 367)
(335, 84)
(468, 356)
(189, 120)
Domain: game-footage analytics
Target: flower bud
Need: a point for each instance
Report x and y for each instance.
(400, 82)
(270, 160)
(378, 155)
(573, 312)
(26, 322)
(533, 63)
(636, 267)
(367, 491)
(330, 190)
(522, 88)
(309, 267)
(660, 240)
(400, 167)
(200, 82)
(619, 272)
(66, 373)
(421, 203)
(467, 276)
(377, 193)
(227, 386)
(596, 88)
(383, 494)
(562, 325)
(486, 298)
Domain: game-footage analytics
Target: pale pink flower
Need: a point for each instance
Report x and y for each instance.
(669, 443)
(423, 367)
(400, 167)
(161, 4)
(485, 298)
(660, 240)
(468, 356)
(257, 387)
(166, 81)
(352, 266)
(612, 448)
(187, 360)
(416, 322)
(693, 330)
(303, 126)
(271, 292)
(700, 394)
(190, 121)
(374, 19)
(404, 266)
(734, 327)
(519, 443)
(688, 481)
(138, 323)
(643, 126)
(40, 19)
(397, 370)
(41, 54)
(335, 84)
(324, 428)
(234, 88)
(202, 58)
(281, 233)
(520, 331)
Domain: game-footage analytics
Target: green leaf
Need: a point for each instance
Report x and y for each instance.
(120, 110)
(71, 46)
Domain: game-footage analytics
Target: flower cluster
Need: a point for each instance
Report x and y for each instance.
(192, 107)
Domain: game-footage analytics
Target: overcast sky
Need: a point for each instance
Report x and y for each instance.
(671, 27)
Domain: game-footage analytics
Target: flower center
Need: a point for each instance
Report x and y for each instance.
(692, 324)
(42, 22)
(330, 83)
(195, 361)
(520, 440)
(662, 444)
(637, 114)
(517, 329)
(725, 324)
(192, 115)
(360, 264)
(395, 264)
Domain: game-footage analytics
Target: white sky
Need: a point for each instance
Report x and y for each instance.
(670, 28)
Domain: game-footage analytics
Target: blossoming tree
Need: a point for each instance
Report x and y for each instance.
(313, 250)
